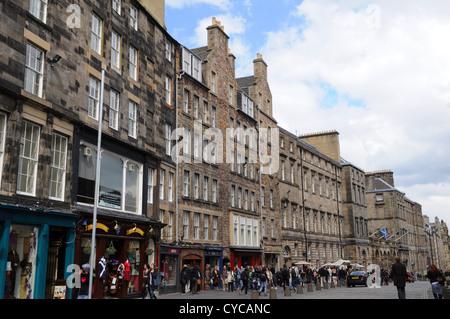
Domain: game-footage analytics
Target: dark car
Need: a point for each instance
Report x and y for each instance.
(357, 278)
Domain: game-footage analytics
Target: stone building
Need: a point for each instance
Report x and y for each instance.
(388, 208)
(54, 55)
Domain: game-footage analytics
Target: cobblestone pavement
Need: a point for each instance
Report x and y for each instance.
(416, 290)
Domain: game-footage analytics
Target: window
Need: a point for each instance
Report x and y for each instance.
(246, 199)
(249, 232)
(205, 112)
(38, 8)
(115, 49)
(271, 198)
(196, 145)
(255, 232)
(205, 187)
(167, 138)
(132, 119)
(116, 6)
(206, 227)
(133, 17)
(245, 104)
(34, 68)
(213, 116)
(114, 110)
(170, 189)
(214, 191)
(252, 201)
(196, 105)
(233, 194)
(213, 82)
(242, 231)
(186, 183)
(168, 90)
(186, 225)
(215, 229)
(161, 184)
(58, 167)
(196, 185)
(150, 185)
(97, 34)
(186, 141)
(120, 180)
(186, 101)
(168, 50)
(230, 95)
(263, 196)
(2, 140)
(170, 225)
(28, 158)
(235, 230)
(192, 65)
(133, 63)
(94, 97)
(239, 195)
(196, 226)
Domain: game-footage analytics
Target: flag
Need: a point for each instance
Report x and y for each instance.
(384, 232)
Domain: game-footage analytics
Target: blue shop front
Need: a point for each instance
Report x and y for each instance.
(36, 247)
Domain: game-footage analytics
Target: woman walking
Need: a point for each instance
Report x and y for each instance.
(437, 281)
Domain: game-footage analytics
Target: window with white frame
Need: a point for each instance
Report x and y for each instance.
(94, 97)
(249, 232)
(235, 230)
(239, 197)
(132, 119)
(115, 49)
(150, 185)
(263, 226)
(263, 200)
(169, 225)
(133, 63)
(196, 106)
(196, 226)
(205, 187)
(205, 112)
(242, 231)
(196, 145)
(97, 34)
(186, 225)
(213, 82)
(133, 17)
(162, 172)
(196, 185)
(114, 110)
(28, 158)
(116, 5)
(214, 191)
(186, 101)
(252, 201)
(170, 187)
(246, 199)
(186, 183)
(34, 69)
(192, 65)
(38, 8)
(2, 140)
(168, 90)
(58, 167)
(213, 116)
(187, 141)
(271, 198)
(167, 137)
(168, 50)
(206, 227)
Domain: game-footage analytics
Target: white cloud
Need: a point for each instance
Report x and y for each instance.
(178, 4)
(393, 56)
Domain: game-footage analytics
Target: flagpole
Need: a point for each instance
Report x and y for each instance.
(375, 233)
(97, 184)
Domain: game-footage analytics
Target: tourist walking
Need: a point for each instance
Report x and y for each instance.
(224, 277)
(399, 276)
(437, 281)
(185, 279)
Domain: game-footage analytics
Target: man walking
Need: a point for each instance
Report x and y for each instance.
(399, 276)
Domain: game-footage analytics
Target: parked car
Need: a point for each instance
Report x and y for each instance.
(357, 277)
(411, 277)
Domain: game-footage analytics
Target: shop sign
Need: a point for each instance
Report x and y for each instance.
(99, 226)
(173, 251)
(135, 230)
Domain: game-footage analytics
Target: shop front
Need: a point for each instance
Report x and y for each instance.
(123, 245)
(36, 246)
(169, 267)
(243, 257)
(213, 258)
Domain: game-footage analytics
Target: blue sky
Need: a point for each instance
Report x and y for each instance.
(376, 71)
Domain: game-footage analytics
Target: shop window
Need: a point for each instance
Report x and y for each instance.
(168, 270)
(21, 262)
(119, 180)
(134, 258)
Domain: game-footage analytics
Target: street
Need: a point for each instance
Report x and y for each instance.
(416, 290)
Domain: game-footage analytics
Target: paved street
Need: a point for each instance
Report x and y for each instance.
(417, 290)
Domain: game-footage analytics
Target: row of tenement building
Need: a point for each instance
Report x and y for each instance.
(194, 167)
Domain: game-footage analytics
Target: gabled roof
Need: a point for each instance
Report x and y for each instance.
(201, 52)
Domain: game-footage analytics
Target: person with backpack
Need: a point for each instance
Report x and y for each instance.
(195, 276)
(244, 277)
(263, 281)
(284, 276)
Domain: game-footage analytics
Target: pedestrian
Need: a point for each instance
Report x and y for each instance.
(399, 276)
(195, 278)
(146, 281)
(263, 282)
(342, 274)
(230, 280)
(284, 276)
(83, 293)
(152, 275)
(215, 276)
(245, 276)
(274, 276)
(224, 277)
(437, 281)
(185, 280)
(269, 278)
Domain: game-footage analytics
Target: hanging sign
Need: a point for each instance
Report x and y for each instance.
(135, 230)
(99, 226)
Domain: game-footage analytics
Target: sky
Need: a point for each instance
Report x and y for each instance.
(376, 71)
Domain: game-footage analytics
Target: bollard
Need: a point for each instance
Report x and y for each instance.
(332, 284)
(310, 287)
(325, 285)
(339, 283)
(255, 294)
(318, 286)
(287, 291)
(273, 293)
(299, 290)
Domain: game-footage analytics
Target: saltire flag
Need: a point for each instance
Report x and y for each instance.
(384, 232)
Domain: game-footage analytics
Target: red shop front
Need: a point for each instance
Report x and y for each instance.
(243, 257)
